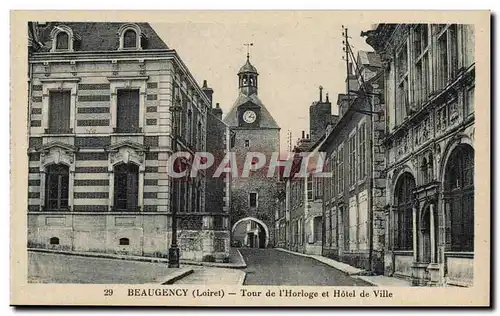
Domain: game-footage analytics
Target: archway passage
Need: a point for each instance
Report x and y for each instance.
(250, 232)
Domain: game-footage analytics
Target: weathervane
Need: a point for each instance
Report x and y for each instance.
(248, 49)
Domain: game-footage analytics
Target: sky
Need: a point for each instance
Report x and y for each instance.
(294, 54)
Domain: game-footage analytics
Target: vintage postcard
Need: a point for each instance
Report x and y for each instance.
(250, 158)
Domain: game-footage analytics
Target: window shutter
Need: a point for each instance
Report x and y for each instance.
(59, 111)
(127, 112)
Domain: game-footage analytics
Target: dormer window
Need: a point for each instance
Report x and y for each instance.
(129, 39)
(130, 36)
(62, 39)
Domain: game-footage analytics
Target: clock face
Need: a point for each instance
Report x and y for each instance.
(249, 116)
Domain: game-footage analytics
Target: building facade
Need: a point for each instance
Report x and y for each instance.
(255, 130)
(100, 136)
(429, 139)
(299, 216)
(353, 201)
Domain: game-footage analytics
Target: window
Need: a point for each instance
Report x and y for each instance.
(334, 175)
(247, 143)
(127, 111)
(124, 242)
(453, 50)
(59, 112)
(469, 101)
(126, 187)
(198, 136)
(421, 46)
(402, 102)
(54, 241)
(352, 160)
(469, 39)
(362, 151)
(310, 188)
(318, 188)
(189, 126)
(57, 187)
(341, 170)
(62, 41)
(403, 230)
(130, 39)
(459, 198)
(252, 199)
(442, 75)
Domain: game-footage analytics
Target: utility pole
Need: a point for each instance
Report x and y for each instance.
(346, 48)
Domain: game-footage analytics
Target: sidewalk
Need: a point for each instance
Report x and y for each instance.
(235, 255)
(214, 276)
(377, 280)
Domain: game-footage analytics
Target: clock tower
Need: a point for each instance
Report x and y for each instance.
(253, 198)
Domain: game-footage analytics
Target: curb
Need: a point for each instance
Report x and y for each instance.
(353, 274)
(241, 281)
(175, 276)
(141, 258)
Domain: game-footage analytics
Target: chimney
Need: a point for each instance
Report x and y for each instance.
(208, 91)
(320, 93)
(303, 134)
(327, 100)
(307, 136)
(217, 111)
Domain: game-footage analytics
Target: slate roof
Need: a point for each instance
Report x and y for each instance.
(99, 36)
(247, 67)
(369, 58)
(266, 119)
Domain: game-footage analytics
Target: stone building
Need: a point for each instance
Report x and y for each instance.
(353, 202)
(100, 136)
(429, 139)
(299, 218)
(253, 197)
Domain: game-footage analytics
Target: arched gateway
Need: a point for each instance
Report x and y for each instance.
(251, 232)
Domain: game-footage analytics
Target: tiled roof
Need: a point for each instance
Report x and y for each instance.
(100, 36)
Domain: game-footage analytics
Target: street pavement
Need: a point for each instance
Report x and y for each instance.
(58, 268)
(274, 267)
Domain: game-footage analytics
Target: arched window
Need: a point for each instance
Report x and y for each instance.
(126, 187)
(54, 241)
(403, 203)
(124, 242)
(130, 39)
(459, 198)
(57, 187)
(62, 41)
(424, 170)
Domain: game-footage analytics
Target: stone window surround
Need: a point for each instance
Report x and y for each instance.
(128, 82)
(53, 35)
(126, 153)
(58, 84)
(56, 153)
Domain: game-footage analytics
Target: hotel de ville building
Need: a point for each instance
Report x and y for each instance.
(429, 72)
(100, 136)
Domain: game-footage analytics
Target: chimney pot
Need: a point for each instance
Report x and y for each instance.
(303, 134)
(320, 93)
(205, 84)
